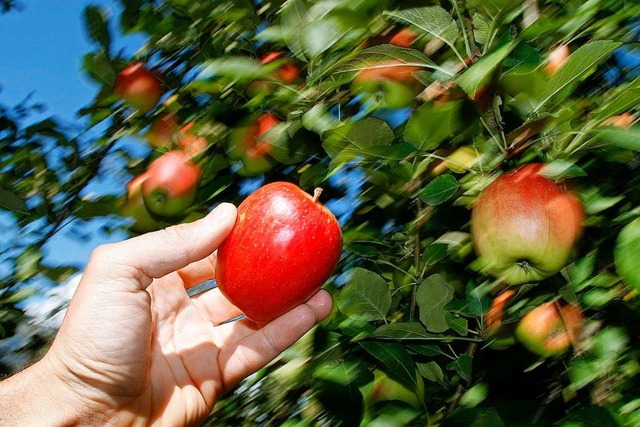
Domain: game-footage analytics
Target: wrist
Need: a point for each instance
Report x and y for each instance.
(38, 396)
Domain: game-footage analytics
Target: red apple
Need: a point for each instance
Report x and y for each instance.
(138, 87)
(403, 38)
(170, 187)
(524, 226)
(283, 247)
(248, 146)
(389, 83)
(557, 58)
(286, 73)
(135, 208)
(191, 144)
(547, 331)
(162, 131)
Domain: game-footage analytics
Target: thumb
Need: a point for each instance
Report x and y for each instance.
(154, 255)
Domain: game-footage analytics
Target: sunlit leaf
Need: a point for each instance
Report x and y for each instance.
(432, 20)
(366, 296)
(581, 63)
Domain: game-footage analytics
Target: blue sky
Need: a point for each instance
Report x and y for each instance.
(41, 49)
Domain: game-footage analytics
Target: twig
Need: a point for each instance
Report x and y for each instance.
(471, 351)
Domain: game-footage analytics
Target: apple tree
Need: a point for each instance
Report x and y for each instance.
(406, 113)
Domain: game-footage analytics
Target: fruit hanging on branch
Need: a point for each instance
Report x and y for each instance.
(390, 84)
(249, 147)
(138, 87)
(171, 184)
(135, 208)
(557, 58)
(550, 329)
(524, 226)
(282, 249)
(162, 131)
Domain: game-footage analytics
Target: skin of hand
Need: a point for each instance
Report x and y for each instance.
(136, 349)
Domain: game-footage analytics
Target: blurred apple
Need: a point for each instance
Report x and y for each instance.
(403, 38)
(135, 208)
(524, 226)
(248, 146)
(138, 87)
(171, 183)
(162, 131)
(557, 58)
(548, 331)
(390, 84)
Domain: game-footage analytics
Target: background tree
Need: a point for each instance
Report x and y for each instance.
(404, 134)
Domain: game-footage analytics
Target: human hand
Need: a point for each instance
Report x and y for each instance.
(135, 349)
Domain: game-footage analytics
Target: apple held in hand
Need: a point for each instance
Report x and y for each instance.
(171, 183)
(283, 247)
(391, 84)
(135, 208)
(138, 87)
(248, 146)
(524, 226)
(548, 331)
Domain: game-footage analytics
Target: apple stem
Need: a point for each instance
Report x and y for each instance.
(316, 194)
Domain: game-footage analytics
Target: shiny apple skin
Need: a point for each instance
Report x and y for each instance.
(282, 249)
(524, 226)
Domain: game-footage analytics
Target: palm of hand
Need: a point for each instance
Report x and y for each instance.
(137, 350)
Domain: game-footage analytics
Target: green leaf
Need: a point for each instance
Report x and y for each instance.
(479, 74)
(395, 360)
(373, 56)
(462, 366)
(441, 189)
(28, 263)
(95, 22)
(431, 125)
(626, 97)
(365, 296)
(8, 200)
(292, 20)
(20, 295)
(629, 139)
(626, 254)
(561, 169)
(459, 324)
(365, 133)
(404, 331)
(475, 395)
(434, 253)
(432, 20)
(99, 68)
(477, 302)
(432, 296)
(235, 67)
(431, 371)
(581, 63)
